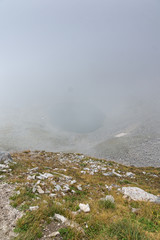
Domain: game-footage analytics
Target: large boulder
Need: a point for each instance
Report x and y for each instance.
(138, 194)
(5, 157)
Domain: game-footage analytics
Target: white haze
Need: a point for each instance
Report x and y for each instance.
(75, 73)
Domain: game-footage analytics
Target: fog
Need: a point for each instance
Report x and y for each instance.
(74, 74)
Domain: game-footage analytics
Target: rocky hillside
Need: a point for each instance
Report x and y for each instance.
(73, 196)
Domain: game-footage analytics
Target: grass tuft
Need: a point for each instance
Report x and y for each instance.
(127, 230)
(106, 204)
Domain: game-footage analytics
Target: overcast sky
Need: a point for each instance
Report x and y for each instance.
(93, 50)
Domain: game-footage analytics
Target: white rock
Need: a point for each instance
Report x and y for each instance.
(39, 190)
(5, 157)
(108, 174)
(73, 182)
(138, 194)
(60, 218)
(34, 189)
(79, 188)
(103, 168)
(67, 222)
(109, 198)
(52, 195)
(33, 208)
(31, 177)
(115, 173)
(2, 176)
(130, 174)
(47, 191)
(3, 166)
(86, 169)
(58, 188)
(38, 182)
(135, 210)
(109, 187)
(45, 176)
(66, 188)
(84, 207)
(54, 234)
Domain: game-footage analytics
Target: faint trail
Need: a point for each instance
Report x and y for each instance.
(8, 215)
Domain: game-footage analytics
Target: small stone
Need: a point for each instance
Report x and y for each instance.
(31, 177)
(108, 174)
(33, 208)
(33, 169)
(54, 234)
(109, 198)
(60, 218)
(39, 190)
(58, 188)
(115, 173)
(73, 182)
(135, 210)
(34, 189)
(84, 207)
(109, 188)
(3, 166)
(66, 188)
(2, 176)
(130, 174)
(79, 187)
(52, 195)
(47, 191)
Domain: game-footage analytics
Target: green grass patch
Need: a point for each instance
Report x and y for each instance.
(69, 234)
(106, 204)
(149, 225)
(127, 230)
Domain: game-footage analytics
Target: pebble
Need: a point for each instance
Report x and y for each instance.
(84, 207)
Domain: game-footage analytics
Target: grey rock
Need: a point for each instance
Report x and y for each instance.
(108, 174)
(84, 207)
(58, 188)
(45, 176)
(109, 188)
(79, 187)
(138, 194)
(54, 234)
(109, 198)
(135, 210)
(39, 190)
(60, 218)
(115, 173)
(73, 182)
(3, 166)
(5, 157)
(130, 174)
(33, 208)
(67, 222)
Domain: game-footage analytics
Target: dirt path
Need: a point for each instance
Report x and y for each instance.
(8, 215)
